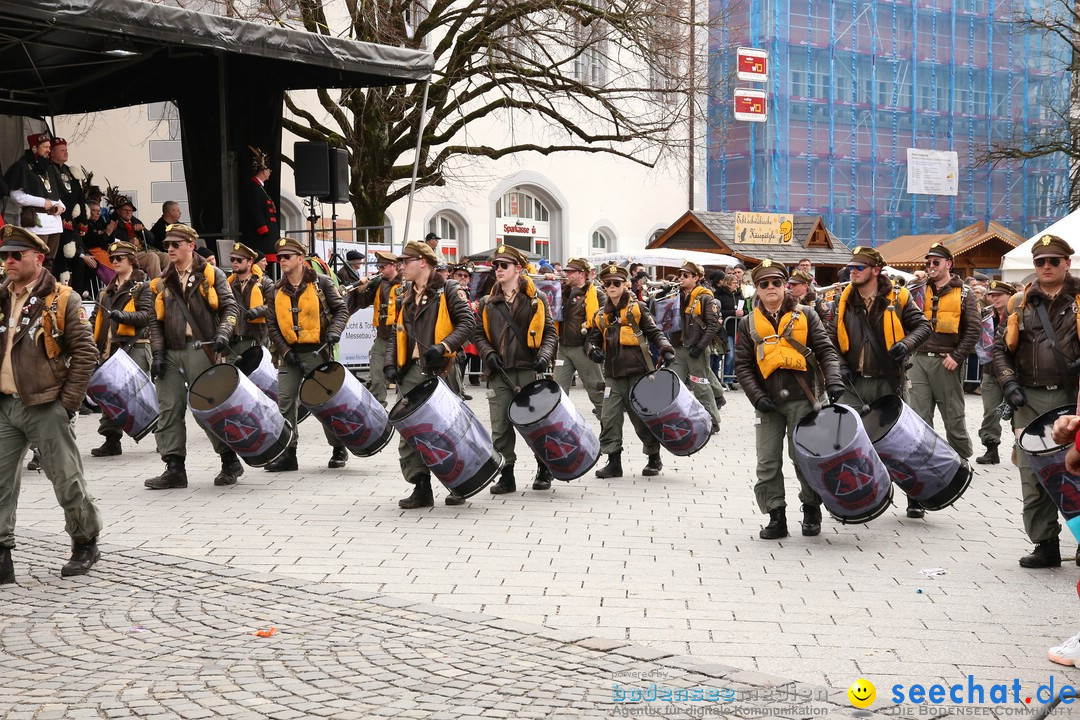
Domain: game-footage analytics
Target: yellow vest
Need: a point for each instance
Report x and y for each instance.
(306, 328)
(592, 306)
(693, 307)
(536, 324)
(126, 330)
(52, 319)
(774, 351)
(1015, 323)
(256, 299)
(206, 289)
(950, 308)
(894, 329)
(443, 327)
(391, 306)
(629, 320)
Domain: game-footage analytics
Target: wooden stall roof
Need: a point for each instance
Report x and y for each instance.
(910, 250)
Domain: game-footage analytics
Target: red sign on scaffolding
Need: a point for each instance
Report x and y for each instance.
(751, 105)
(753, 65)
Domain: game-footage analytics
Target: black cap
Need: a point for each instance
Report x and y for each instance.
(353, 255)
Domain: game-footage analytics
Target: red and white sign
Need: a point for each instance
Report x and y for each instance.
(753, 65)
(750, 105)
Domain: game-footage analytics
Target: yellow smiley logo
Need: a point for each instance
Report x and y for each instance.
(862, 693)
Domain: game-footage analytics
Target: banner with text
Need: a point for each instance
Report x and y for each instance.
(763, 228)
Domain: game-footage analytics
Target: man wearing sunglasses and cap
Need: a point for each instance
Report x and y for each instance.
(700, 328)
(581, 301)
(935, 379)
(46, 359)
(781, 352)
(251, 289)
(380, 292)
(1037, 360)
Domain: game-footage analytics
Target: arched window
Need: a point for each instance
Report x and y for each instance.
(523, 221)
(599, 242)
(448, 228)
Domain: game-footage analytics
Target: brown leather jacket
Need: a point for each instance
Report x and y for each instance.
(169, 334)
(332, 316)
(962, 344)
(999, 323)
(419, 319)
(749, 376)
(503, 340)
(358, 299)
(871, 358)
(244, 328)
(38, 378)
(116, 296)
(1034, 362)
(625, 360)
(697, 330)
(573, 304)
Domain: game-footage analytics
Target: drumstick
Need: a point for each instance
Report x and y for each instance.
(502, 371)
(865, 407)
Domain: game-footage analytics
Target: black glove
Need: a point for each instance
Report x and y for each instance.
(667, 356)
(695, 352)
(835, 392)
(293, 358)
(332, 338)
(434, 356)
(157, 365)
(899, 352)
(221, 344)
(846, 375)
(115, 315)
(494, 362)
(390, 372)
(541, 365)
(251, 313)
(765, 404)
(597, 355)
(1014, 394)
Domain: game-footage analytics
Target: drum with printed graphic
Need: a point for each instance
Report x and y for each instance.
(1047, 460)
(450, 440)
(671, 412)
(666, 312)
(126, 395)
(255, 363)
(924, 466)
(226, 403)
(837, 459)
(554, 429)
(346, 408)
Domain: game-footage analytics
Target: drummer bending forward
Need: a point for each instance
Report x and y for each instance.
(777, 347)
(432, 323)
(194, 317)
(619, 339)
(124, 311)
(307, 318)
(250, 288)
(516, 338)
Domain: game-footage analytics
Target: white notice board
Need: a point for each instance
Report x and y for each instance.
(932, 172)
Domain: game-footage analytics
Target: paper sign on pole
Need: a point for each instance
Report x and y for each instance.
(932, 172)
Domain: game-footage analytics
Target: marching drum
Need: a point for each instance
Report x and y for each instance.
(226, 403)
(1047, 460)
(554, 429)
(667, 312)
(255, 363)
(125, 394)
(924, 466)
(451, 441)
(346, 408)
(839, 462)
(671, 412)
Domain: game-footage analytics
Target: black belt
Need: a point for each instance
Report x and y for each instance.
(932, 354)
(306, 347)
(13, 396)
(1043, 387)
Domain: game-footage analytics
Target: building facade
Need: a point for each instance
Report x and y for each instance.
(852, 85)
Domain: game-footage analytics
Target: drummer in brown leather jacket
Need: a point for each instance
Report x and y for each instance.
(251, 289)
(516, 338)
(307, 317)
(423, 345)
(380, 293)
(121, 322)
(46, 358)
(777, 348)
(194, 315)
(1037, 360)
(700, 327)
(621, 333)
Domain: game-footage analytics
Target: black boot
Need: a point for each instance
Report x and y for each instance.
(453, 499)
(175, 475)
(1046, 554)
(915, 510)
(285, 461)
(231, 469)
(811, 520)
(7, 568)
(337, 460)
(421, 495)
(990, 457)
(83, 557)
(35, 461)
(542, 481)
(110, 447)
(777, 527)
(654, 466)
(613, 469)
(506, 482)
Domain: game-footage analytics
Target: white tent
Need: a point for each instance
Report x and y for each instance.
(664, 257)
(1016, 264)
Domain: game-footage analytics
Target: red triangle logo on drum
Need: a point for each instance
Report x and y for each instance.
(345, 427)
(237, 433)
(432, 456)
(110, 409)
(674, 433)
(555, 450)
(851, 479)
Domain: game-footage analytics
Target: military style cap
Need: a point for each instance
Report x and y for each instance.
(767, 269)
(510, 253)
(867, 255)
(417, 249)
(940, 251)
(242, 250)
(1000, 286)
(17, 238)
(613, 270)
(801, 276)
(693, 268)
(37, 138)
(1051, 246)
(578, 264)
(290, 245)
(382, 257)
(122, 248)
(182, 232)
(462, 267)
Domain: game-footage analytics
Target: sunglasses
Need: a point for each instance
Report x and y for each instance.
(503, 265)
(1054, 261)
(174, 244)
(286, 256)
(116, 258)
(13, 254)
(612, 283)
(237, 259)
(934, 263)
(766, 284)
(683, 273)
(856, 268)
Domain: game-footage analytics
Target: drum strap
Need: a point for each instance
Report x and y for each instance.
(1052, 338)
(811, 359)
(194, 327)
(500, 307)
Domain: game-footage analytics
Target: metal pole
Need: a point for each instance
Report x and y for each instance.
(416, 163)
(691, 97)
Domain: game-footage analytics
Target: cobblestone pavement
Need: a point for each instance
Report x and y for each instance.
(671, 563)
